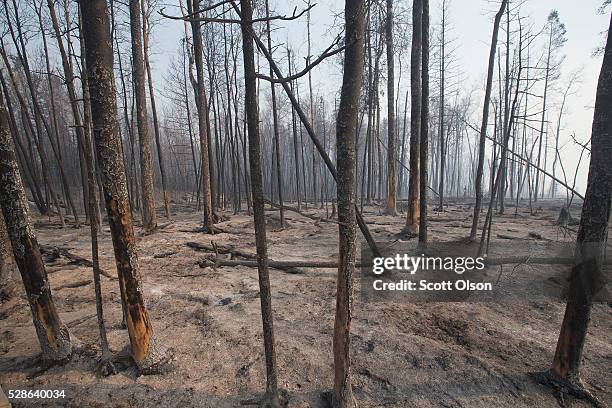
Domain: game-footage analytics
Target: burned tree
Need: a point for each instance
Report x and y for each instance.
(252, 112)
(53, 335)
(391, 153)
(138, 79)
(146, 351)
(485, 121)
(412, 215)
(203, 119)
(586, 275)
(424, 133)
(346, 122)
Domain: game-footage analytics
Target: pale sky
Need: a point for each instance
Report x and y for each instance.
(472, 26)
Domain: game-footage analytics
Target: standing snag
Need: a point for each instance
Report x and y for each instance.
(586, 275)
(148, 354)
(53, 335)
(271, 398)
(354, 15)
(138, 78)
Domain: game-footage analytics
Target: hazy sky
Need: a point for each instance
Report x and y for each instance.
(472, 25)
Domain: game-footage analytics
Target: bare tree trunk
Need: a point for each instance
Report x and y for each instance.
(148, 354)
(94, 208)
(346, 123)
(251, 107)
(203, 122)
(53, 335)
(424, 136)
(412, 216)
(485, 121)
(279, 176)
(391, 153)
(146, 28)
(149, 218)
(586, 278)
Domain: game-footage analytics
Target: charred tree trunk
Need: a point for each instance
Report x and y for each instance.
(53, 335)
(252, 111)
(424, 142)
(279, 176)
(146, 351)
(412, 216)
(203, 122)
(346, 122)
(149, 217)
(485, 121)
(586, 275)
(146, 28)
(7, 266)
(391, 153)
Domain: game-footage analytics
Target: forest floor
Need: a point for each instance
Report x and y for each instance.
(417, 355)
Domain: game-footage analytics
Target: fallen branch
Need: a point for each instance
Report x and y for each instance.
(52, 253)
(303, 214)
(76, 284)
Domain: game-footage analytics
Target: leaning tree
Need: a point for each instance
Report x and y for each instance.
(53, 335)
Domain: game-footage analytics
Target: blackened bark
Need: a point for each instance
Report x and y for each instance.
(391, 153)
(424, 136)
(53, 335)
(252, 112)
(279, 175)
(146, 352)
(592, 233)
(412, 215)
(7, 266)
(485, 121)
(346, 123)
(160, 155)
(203, 120)
(138, 79)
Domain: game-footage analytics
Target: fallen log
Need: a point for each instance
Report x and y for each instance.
(303, 214)
(52, 253)
(76, 284)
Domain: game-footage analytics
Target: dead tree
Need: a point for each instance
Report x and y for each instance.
(146, 29)
(145, 349)
(412, 215)
(346, 123)
(279, 176)
(138, 81)
(53, 335)
(391, 153)
(586, 275)
(252, 111)
(95, 216)
(424, 134)
(203, 119)
(485, 121)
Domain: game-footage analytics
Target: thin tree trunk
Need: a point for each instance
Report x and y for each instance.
(424, 136)
(160, 157)
(148, 354)
(149, 218)
(251, 107)
(485, 121)
(345, 150)
(203, 122)
(412, 216)
(391, 153)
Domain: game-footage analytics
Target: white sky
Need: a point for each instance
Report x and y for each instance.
(472, 25)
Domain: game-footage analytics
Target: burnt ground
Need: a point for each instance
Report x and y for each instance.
(417, 355)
